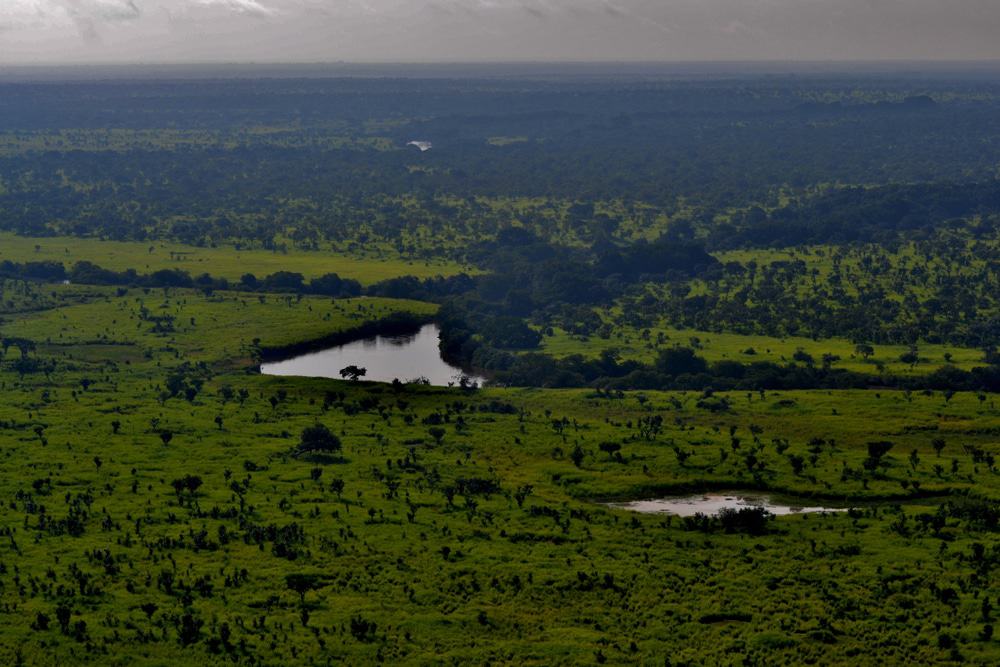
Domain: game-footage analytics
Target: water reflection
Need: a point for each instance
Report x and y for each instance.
(385, 358)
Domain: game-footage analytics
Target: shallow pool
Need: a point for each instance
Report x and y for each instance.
(711, 503)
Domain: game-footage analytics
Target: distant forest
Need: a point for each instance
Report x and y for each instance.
(569, 195)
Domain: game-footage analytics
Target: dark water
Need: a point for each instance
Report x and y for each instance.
(386, 358)
(711, 503)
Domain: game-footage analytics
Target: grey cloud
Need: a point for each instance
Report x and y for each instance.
(53, 13)
(534, 11)
(253, 7)
(86, 13)
(107, 10)
(375, 30)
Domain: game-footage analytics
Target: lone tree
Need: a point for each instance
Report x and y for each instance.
(303, 583)
(876, 451)
(938, 445)
(317, 439)
(352, 372)
(610, 448)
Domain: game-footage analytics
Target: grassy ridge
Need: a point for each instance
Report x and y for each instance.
(222, 262)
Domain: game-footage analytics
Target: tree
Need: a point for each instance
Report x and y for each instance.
(610, 448)
(362, 629)
(303, 583)
(511, 333)
(803, 357)
(938, 445)
(353, 372)
(189, 630)
(680, 361)
(650, 426)
(189, 483)
(910, 357)
(63, 614)
(333, 285)
(522, 493)
(317, 439)
(437, 433)
(877, 450)
(285, 281)
(41, 622)
(864, 349)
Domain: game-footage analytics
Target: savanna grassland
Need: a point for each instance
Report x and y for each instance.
(158, 510)
(783, 286)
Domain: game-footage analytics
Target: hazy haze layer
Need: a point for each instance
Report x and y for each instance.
(129, 31)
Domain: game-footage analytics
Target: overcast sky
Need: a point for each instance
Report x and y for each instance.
(136, 31)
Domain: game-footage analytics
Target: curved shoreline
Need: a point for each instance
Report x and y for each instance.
(400, 323)
(653, 491)
(396, 324)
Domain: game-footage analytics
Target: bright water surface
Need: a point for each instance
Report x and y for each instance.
(711, 504)
(385, 357)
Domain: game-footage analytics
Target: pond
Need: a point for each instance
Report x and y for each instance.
(711, 503)
(386, 358)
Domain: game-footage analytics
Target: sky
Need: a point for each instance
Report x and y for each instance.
(184, 31)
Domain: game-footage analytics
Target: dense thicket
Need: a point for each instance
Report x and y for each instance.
(862, 215)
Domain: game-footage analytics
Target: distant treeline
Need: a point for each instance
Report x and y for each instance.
(88, 273)
(336, 168)
(862, 215)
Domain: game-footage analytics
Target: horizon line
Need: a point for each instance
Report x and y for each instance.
(343, 62)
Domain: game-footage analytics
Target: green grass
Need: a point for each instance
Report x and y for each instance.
(223, 262)
(451, 577)
(216, 328)
(633, 344)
